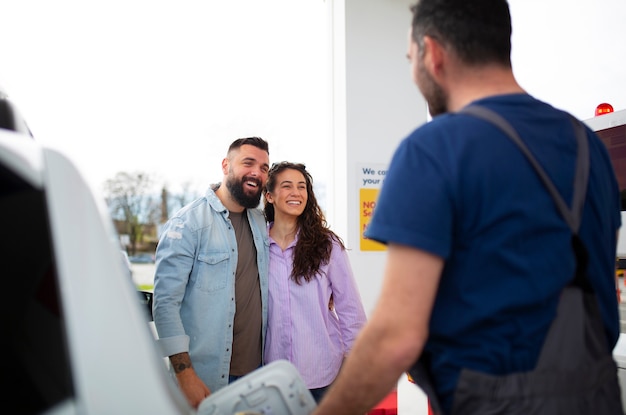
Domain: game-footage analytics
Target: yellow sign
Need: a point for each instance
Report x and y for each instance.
(367, 203)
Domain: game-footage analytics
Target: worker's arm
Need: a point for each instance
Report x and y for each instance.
(394, 336)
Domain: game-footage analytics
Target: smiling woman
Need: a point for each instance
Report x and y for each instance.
(314, 308)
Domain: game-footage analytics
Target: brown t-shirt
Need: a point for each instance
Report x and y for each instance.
(247, 340)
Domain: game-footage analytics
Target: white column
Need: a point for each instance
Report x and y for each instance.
(375, 105)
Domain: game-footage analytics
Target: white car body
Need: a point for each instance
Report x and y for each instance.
(86, 348)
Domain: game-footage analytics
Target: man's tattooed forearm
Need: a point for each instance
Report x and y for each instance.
(180, 362)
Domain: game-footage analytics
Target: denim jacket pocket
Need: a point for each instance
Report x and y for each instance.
(212, 272)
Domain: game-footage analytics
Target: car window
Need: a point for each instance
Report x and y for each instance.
(35, 368)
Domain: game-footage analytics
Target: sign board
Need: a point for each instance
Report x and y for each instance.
(370, 178)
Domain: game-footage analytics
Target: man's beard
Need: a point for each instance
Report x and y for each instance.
(236, 188)
(432, 92)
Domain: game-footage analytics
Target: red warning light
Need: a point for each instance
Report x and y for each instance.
(604, 108)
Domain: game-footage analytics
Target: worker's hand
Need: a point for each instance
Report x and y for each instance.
(192, 386)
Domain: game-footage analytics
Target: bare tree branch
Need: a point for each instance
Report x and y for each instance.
(130, 197)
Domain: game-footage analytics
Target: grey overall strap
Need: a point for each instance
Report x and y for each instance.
(572, 216)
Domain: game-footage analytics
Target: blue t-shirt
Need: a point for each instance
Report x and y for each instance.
(459, 188)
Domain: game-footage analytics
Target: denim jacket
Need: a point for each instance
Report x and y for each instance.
(194, 285)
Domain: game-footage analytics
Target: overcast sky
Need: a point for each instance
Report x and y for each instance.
(164, 86)
(571, 52)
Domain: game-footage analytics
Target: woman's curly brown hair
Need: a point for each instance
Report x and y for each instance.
(314, 244)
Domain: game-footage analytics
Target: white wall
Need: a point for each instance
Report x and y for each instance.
(376, 105)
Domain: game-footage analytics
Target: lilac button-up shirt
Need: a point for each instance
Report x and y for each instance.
(301, 328)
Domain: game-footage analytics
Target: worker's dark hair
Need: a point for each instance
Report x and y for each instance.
(478, 31)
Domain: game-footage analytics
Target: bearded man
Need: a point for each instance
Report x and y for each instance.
(210, 284)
